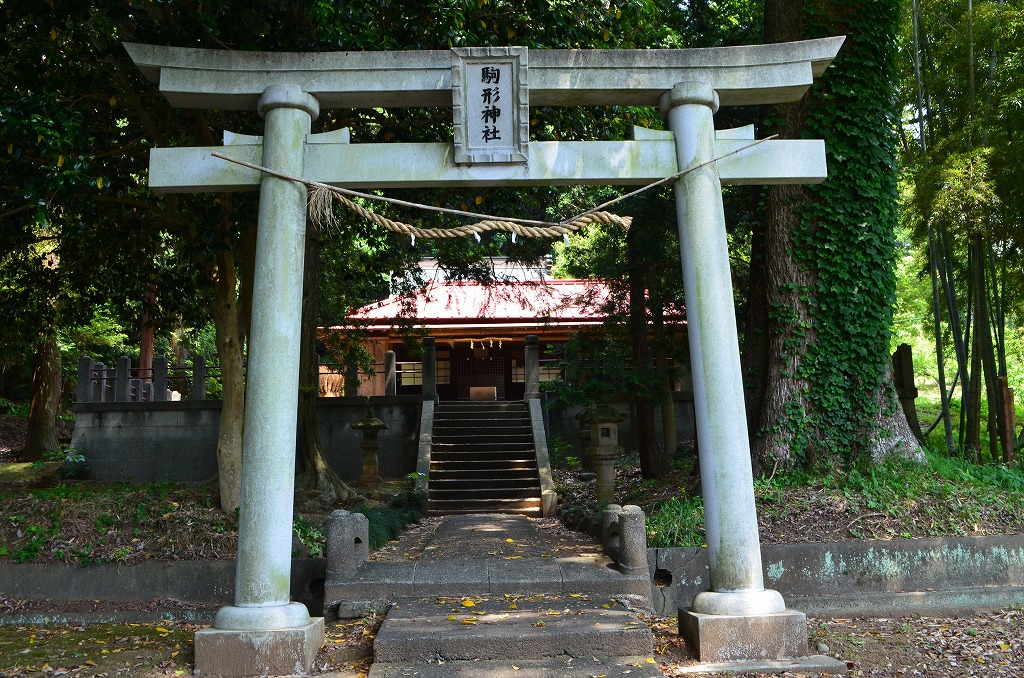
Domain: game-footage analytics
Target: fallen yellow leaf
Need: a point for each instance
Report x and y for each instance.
(469, 622)
(512, 606)
(510, 540)
(451, 617)
(468, 603)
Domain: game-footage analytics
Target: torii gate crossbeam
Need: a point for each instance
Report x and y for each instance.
(264, 632)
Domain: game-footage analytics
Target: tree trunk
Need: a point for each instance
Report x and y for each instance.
(147, 335)
(314, 478)
(647, 444)
(897, 438)
(754, 354)
(973, 397)
(668, 407)
(789, 328)
(44, 402)
(230, 345)
(947, 424)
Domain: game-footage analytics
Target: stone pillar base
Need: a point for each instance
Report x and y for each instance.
(727, 637)
(274, 652)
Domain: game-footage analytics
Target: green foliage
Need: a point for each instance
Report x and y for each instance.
(311, 534)
(387, 522)
(72, 462)
(677, 522)
(560, 450)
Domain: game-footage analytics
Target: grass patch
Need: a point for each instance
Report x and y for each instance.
(944, 497)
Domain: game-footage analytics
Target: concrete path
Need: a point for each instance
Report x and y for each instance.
(487, 597)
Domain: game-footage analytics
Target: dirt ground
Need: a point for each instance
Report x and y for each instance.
(989, 644)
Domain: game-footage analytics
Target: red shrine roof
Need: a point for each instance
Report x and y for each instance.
(474, 305)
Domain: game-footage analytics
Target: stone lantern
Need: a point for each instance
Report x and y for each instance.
(371, 427)
(604, 448)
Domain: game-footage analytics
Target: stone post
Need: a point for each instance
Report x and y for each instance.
(83, 390)
(348, 544)
(632, 540)
(263, 632)
(122, 385)
(351, 380)
(604, 448)
(370, 426)
(160, 378)
(198, 378)
(101, 393)
(390, 374)
(532, 367)
(135, 390)
(147, 391)
(429, 373)
(734, 549)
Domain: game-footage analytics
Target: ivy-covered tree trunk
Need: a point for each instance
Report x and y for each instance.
(44, 403)
(829, 252)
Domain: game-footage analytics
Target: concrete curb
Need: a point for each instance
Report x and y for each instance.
(864, 578)
(204, 584)
(836, 579)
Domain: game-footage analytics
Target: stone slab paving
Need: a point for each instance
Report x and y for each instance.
(509, 627)
(491, 598)
(561, 667)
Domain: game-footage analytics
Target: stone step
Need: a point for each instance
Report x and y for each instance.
(561, 667)
(496, 481)
(539, 627)
(473, 448)
(474, 406)
(484, 494)
(470, 435)
(443, 455)
(440, 472)
(471, 463)
(526, 506)
(478, 414)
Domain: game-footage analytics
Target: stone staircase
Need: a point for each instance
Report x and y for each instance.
(486, 599)
(482, 460)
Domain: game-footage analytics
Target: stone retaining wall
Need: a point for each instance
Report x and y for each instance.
(144, 441)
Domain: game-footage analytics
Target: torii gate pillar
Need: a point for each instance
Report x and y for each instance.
(239, 642)
(737, 602)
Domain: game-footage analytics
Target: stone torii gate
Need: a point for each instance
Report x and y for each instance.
(263, 632)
